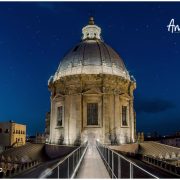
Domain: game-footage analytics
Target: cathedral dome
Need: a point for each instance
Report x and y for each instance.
(91, 56)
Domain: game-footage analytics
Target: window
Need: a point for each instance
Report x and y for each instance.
(7, 131)
(59, 115)
(124, 115)
(92, 114)
(0, 130)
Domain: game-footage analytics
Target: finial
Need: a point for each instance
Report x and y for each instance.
(91, 31)
(91, 21)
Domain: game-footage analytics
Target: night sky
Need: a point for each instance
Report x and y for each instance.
(34, 37)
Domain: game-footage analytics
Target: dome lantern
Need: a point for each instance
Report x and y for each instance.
(91, 31)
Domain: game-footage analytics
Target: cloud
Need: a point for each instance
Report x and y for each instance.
(47, 5)
(154, 105)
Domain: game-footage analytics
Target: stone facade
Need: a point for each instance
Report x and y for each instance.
(109, 91)
(72, 91)
(12, 134)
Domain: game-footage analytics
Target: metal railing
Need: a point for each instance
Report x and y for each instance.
(120, 167)
(67, 168)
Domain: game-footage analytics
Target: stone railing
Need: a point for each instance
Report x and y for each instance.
(162, 164)
(11, 169)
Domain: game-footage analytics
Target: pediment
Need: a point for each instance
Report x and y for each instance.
(125, 95)
(92, 91)
(58, 97)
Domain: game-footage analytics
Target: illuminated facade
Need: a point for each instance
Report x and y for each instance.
(92, 94)
(12, 134)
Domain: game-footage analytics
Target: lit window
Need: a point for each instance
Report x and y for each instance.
(92, 114)
(59, 115)
(124, 115)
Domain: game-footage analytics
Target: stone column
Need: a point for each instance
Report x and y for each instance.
(106, 118)
(67, 105)
(131, 117)
(52, 125)
(111, 114)
(78, 116)
(116, 116)
(74, 118)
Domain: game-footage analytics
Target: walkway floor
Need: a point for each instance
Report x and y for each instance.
(92, 166)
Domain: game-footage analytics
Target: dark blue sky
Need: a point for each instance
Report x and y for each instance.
(35, 36)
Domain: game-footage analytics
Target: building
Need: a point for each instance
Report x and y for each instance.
(40, 138)
(12, 134)
(172, 140)
(47, 125)
(92, 94)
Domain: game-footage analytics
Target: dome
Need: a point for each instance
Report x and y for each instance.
(91, 56)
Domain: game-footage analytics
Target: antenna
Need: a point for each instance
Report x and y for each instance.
(91, 13)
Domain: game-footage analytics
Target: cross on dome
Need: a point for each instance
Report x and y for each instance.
(91, 31)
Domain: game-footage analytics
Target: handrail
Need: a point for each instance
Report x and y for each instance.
(67, 158)
(121, 156)
(77, 167)
(106, 162)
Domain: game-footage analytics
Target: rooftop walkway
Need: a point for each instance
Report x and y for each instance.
(92, 166)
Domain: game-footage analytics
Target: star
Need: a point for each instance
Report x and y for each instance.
(147, 26)
(137, 29)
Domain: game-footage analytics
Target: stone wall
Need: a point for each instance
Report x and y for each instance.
(109, 91)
